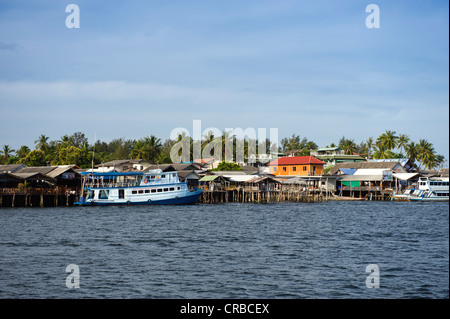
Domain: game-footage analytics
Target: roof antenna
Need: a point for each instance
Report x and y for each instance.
(93, 151)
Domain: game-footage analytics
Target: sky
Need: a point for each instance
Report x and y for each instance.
(142, 67)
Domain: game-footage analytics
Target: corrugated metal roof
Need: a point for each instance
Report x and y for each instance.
(184, 174)
(369, 171)
(348, 171)
(368, 165)
(208, 178)
(37, 169)
(34, 176)
(259, 179)
(239, 178)
(10, 168)
(350, 178)
(60, 169)
(404, 176)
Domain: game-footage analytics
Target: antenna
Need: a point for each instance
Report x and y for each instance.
(93, 152)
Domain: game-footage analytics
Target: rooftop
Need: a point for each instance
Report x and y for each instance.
(296, 160)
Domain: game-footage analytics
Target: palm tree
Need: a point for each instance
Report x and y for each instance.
(402, 142)
(380, 152)
(369, 144)
(347, 145)
(42, 144)
(411, 151)
(440, 161)
(154, 147)
(388, 140)
(22, 152)
(6, 153)
(426, 154)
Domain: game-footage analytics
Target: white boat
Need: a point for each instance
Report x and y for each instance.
(429, 190)
(136, 188)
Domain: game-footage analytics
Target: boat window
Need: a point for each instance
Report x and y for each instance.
(133, 192)
(172, 189)
(147, 191)
(159, 190)
(173, 174)
(153, 190)
(178, 188)
(103, 194)
(91, 194)
(152, 177)
(166, 189)
(141, 191)
(163, 176)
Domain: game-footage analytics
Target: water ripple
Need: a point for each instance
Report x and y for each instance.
(234, 250)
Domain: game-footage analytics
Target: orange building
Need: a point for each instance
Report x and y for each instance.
(296, 165)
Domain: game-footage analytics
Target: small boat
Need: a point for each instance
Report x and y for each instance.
(430, 190)
(154, 187)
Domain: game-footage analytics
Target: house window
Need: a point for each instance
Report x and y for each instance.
(304, 168)
(274, 169)
(294, 168)
(284, 168)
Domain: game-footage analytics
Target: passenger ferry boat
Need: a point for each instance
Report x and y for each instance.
(136, 188)
(430, 190)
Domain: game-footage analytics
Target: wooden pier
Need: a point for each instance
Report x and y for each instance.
(259, 197)
(36, 197)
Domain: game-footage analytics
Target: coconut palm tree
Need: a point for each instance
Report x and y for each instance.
(426, 154)
(411, 151)
(154, 147)
(440, 161)
(380, 152)
(402, 142)
(42, 144)
(388, 140)
(22, 152)
(347, 145)
(6, 153)
(369, 144)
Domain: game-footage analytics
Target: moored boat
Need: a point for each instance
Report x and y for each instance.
(136, 188)
(429, 190)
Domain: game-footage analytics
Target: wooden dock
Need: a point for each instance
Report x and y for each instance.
(259, 197)
(37, 197)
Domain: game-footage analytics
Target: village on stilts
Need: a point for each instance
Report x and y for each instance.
(327, 174)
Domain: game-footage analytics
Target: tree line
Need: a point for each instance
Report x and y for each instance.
(75, 149)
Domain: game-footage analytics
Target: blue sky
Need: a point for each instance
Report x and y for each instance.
(311, 68)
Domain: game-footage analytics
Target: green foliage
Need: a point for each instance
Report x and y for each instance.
(224, 166)
(34, 158)
(75, 149)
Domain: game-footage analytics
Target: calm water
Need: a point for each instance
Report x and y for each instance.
(289, 250)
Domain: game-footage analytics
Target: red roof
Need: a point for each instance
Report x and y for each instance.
(296, 160)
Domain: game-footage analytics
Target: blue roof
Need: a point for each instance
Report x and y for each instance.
(348, 171)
